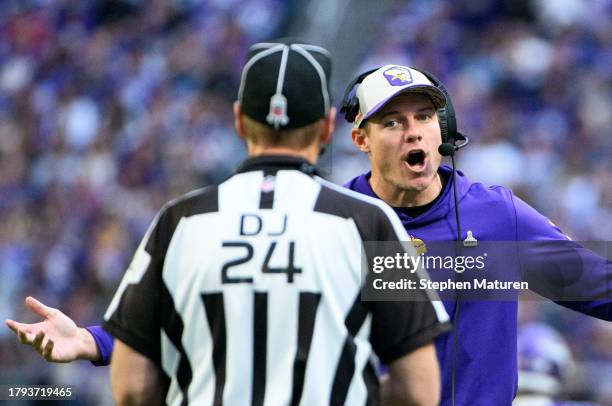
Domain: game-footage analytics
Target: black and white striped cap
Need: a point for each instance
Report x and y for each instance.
(285, 85)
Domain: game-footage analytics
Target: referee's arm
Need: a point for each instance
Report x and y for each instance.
(135, 379)
(413, 379)
(403, 333)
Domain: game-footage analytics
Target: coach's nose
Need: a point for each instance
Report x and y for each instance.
(412, 133)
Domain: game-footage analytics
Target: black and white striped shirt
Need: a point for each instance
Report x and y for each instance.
(248, 293)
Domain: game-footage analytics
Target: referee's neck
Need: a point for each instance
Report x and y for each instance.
(310, 153)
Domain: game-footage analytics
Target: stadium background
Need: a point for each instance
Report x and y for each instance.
(110, 108)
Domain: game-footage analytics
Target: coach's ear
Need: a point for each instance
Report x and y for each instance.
(360, 139)
(238, 123)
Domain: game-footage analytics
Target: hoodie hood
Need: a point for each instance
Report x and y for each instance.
(441, 209)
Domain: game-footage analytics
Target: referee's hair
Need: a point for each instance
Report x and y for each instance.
(296, 138)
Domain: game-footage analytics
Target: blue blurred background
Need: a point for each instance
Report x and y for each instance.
(110, 108)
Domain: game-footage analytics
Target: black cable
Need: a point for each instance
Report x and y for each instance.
(455, 196)
(449, 149)
(454, 364)
(457, 298)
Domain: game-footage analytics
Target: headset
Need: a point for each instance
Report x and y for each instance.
(446, 115)
(450, 137)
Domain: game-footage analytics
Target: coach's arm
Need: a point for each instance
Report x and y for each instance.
(413, 379)
(561, 269)
(135, 380)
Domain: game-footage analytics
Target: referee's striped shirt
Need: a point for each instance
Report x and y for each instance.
(248, 293)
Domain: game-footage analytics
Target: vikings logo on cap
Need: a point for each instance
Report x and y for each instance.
(398, 76)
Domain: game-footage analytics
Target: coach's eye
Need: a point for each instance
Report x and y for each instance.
(424, 117)
(392, 124)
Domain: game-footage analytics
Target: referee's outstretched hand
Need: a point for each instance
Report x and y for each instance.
(57, 338)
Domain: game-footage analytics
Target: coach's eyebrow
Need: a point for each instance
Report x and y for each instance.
(392, 112)
(388, 113)
(424, 109)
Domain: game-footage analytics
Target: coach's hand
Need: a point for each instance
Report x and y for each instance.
(57, 338)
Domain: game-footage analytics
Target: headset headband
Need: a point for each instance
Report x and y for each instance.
(446, 114)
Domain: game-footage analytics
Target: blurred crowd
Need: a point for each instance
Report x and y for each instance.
(107, 110)
(110, 108)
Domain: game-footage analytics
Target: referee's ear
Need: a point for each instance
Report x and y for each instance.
(238, 123)
(330, 125)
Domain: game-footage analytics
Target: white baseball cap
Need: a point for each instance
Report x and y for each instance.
(379, 87)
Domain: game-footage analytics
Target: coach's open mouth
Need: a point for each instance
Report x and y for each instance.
(416, 159)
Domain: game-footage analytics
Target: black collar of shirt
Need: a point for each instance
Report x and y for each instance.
(416, 211)
(273, 163)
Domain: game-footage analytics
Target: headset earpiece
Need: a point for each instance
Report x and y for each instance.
(350, 106)
(446, 115)
(443, 120)
(350, 101)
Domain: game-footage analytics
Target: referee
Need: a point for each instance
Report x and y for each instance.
(248, 292)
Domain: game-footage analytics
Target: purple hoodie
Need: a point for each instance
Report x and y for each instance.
(486, 371)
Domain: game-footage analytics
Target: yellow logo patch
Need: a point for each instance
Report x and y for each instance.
(419, 245)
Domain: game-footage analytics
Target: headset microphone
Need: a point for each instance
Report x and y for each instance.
(449, 149)
(446, 149)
